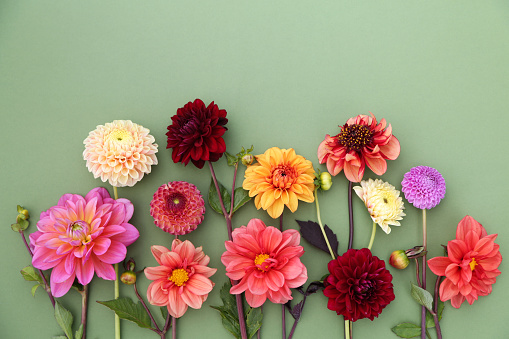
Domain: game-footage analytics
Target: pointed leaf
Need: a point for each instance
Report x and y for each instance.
(314, 287)
(231, 159)
(64, 319)
(30, 274)
(422, 296)
(126, 309)
(23, 224)
(312, 232)
(164, 312)
(241, 196)
(407, 330)
(228, 311)
(79, 332)
(60, 337)
(253, 321)
(296, 311)
(34, 288)
(214, 201)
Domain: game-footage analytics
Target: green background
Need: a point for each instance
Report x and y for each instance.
(287, 72)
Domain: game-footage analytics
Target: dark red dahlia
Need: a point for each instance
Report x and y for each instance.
(196, 133)
(358, 286)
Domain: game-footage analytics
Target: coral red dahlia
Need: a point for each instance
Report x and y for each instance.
(359, 286)
(362, 141)
(196, 133)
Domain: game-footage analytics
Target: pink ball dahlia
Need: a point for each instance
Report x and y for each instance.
(80, 236)
(471, 266)
(362, 141)
(423, 187)
(266, 261)
(359, 286)
(177, 207)
(120, 152)
(181, 280)
(196, 133)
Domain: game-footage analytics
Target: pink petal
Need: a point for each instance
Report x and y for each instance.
(176, 306)
(159, 272)
(157, 251)
(185, 250)
(204, 270)
(376, 164)
(255, 300)
(256, 285)
(128, 237)
(101, 245)
(456, 249)
(193, 300)
(453, 272)
(457, 300)
(116, 253)
(59, 274)
(274, 279)
(490, 264)
(171, 259)
(60, 289)
(85, 272)
(103, 270)
(155, 294)
(466, 224)
(447, 290)
(199, 285)
(438, 265)
(240, 287)
(45, 258)
(485, 245)
(270, 239)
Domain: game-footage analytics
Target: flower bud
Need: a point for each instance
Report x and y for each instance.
(415, 252)
(128, 277)
(399, 259)
(325, 181)
(130, 265)
(247, 159)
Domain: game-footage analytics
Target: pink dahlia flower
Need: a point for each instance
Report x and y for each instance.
(266, 261)
(80, 236)
(362, 141)
(177, 207)
(423, 186)
(471, 266)
(120, 152)
(181, 280)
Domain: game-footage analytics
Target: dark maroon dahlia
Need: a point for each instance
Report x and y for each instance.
(358, 286)
(196, 133)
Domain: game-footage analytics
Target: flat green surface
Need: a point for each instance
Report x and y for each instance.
(287, 72)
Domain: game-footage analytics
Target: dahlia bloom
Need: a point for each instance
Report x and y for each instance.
(196, 133)
(471, 266)
(266, 261)
(120, 152)
(359, 286)
(362, 141)
(279, 178)
(382, 201)
(80, 236)
(423, 187)
(177, 207)
(181, 280)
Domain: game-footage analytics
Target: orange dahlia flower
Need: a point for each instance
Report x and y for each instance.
(362, 141)
(279, 178)
(471, 266)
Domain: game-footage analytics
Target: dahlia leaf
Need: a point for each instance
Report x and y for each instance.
(60, 337)
(240, 197)
(16, 227)
(30, 274)
(422, 296)
(164, 312)
(407, 330)
(126, 309)
(64, 319)
(79, 332)
(232, 160)
(214, 201)
(253, 321)
(312, 232)
(228, 311)
(34, 288)
(297, 310)
(430, 322)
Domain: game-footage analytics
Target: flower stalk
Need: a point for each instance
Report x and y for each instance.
(84, 309)
(424, 266)
(161, 333)
(115, 282)
(283, 308)
(435, 308)
(321, 225)
(348, 323)
(372, 239)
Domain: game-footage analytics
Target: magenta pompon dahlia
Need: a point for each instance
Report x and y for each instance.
(82, 236)
(423, 187)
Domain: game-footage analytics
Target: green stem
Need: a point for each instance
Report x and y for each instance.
(116, 283)
(424, 267)
(347, 329)
(321, 226)
(373, 232)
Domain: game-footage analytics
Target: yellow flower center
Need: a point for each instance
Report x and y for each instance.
(179, 276)
(473, 264)
(119, 135)
(355, 137)
(260, 259)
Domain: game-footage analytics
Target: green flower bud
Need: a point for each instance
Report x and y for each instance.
(128, 277)
(325, 181)
(247, 159)
(399, 259)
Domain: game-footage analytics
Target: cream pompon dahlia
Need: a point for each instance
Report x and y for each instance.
(120, 152)
(382, 201)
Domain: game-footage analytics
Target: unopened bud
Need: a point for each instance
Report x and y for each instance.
(130, 265)
(325, 181)
(399, 259)
(415, 252)
(128, 277)
(247, 159)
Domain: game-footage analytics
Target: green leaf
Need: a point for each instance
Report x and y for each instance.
(23, 224)
(240, 197)
(126, 309)
(214, 199)
(15, 227)
(406, 330)
(19, 209)
(228, 311)
(253, 321)
(64, 319)
(30, 274)
(422, 296)
(79, 332)
(164, 312)
(34, 288)
(232, 159)
(429, 318)
(60, 337)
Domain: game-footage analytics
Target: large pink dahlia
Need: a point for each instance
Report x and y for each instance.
(362, 141)
(80, 236)
(181, 280)
(120, 152)
(266, 261)
(471, 266)
(177, 207)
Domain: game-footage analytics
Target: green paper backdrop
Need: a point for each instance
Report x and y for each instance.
(287, 72)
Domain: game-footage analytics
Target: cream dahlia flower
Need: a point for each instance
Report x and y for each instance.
(382, 201)
(120, 152)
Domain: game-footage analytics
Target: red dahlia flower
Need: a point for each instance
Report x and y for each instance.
(362, 141)
(358, 286)
(196, 133)
(471, 266)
